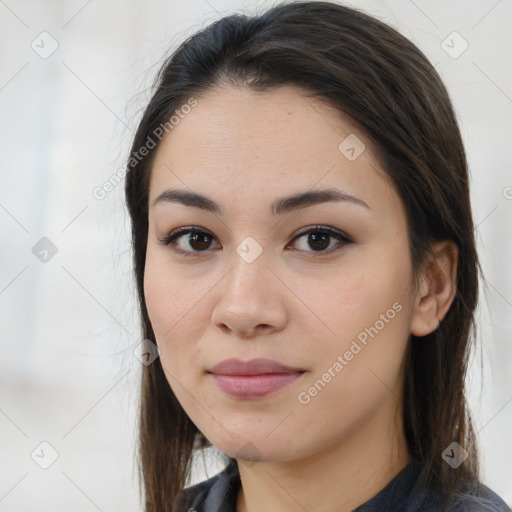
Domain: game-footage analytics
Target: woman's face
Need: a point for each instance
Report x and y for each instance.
(261, 284)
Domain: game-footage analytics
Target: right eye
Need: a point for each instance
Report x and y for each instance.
(198, 239)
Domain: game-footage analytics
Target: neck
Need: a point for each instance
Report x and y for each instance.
(341, 477)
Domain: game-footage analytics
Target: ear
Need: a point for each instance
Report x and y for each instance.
(437, 289)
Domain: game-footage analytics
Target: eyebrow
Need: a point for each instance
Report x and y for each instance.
(278, 207)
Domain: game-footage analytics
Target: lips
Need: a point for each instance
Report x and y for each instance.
(253, 379)
(259, 366)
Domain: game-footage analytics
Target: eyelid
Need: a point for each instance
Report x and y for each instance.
(342, 238)
(319, 227)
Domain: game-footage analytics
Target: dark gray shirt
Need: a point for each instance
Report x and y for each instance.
(219, 494)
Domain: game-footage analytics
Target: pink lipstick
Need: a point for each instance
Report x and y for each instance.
(254, 378)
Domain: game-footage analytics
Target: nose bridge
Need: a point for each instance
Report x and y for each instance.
(249, 267)
(248, 295)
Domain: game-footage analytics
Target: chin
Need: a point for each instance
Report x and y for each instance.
(254, 448)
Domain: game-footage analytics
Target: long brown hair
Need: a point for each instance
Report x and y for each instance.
(384, 83)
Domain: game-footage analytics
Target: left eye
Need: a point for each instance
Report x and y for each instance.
(319, 238)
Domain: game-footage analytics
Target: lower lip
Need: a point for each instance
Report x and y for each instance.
(254, 386)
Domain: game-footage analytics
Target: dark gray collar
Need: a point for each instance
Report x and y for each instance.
(402, 494)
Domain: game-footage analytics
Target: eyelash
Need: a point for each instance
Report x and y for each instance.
(342, 237)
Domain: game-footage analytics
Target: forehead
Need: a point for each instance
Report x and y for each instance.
(237, 143)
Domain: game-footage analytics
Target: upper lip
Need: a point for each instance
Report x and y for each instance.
(234, 366)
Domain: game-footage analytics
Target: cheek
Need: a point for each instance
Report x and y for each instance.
(160, 297)
(170, 297)
(177, 314)
(366, 329)
(369, 331)
(342, 304)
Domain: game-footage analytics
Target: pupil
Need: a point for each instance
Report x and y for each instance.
(197, 236)
(314, 239)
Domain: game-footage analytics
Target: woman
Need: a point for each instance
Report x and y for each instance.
(305, 263)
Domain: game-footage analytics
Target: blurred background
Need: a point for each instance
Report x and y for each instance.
(74, 78)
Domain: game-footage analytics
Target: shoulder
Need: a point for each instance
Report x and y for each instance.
(217, 493)
(408, 492)
(479, 499)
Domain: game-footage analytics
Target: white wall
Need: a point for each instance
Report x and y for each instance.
(68, 375)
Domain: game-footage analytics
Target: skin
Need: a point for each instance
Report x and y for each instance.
(294, 303)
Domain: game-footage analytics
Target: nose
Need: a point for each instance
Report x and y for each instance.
(251, 299)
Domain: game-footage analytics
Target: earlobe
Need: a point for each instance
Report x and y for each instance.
(437, 289)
